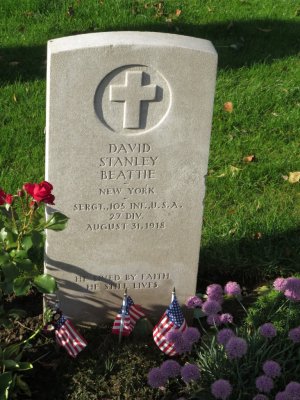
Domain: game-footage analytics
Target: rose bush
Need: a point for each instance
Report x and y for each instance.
(22, 234)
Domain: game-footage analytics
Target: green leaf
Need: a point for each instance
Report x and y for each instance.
(5, 382)
(27, 242)
(37, 239)
(24, 366)
(21, 286)
(11, 351)
(23, 386)
(7, 236)
(19, 254)
(45, 283)
(10, 364)
(7, 287)
(4, 258)
(10, 271)
(27, 266)
(57, 222)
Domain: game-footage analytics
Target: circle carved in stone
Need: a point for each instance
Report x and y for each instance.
(132, 99)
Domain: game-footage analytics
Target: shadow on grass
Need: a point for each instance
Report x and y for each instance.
(250, 260)
(238, 43)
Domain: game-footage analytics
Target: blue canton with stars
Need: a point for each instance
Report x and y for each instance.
(60, 322)
(128, 304)
(174, 313)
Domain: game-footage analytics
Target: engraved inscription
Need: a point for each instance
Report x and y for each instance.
(132, 94)
(123, 281)
(128, 206)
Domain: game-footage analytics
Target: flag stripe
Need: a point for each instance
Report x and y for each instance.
(131, 314)
(68, 337)
(172, 319)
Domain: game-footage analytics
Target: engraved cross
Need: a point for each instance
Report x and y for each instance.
(132, 94)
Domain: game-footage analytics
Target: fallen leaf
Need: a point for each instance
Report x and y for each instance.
(264, 30)
(178, 12)
(294, 177)
(249, 159)
(222, 175)
(257, 235)
(232, 211)
(14, 98)
(14, 63)
(228, 106)
(285, 177)
(232, 231)
(234, 170)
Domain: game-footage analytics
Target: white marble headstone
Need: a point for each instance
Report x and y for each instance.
(128, 129)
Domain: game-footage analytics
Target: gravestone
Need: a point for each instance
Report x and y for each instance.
(128, 129)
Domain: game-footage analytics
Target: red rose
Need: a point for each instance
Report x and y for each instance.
(40, 191)
(5, 198)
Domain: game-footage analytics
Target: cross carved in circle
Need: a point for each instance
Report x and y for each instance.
(132, 94)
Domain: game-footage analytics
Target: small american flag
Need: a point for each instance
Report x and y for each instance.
(68, 337)
(172, 319)
(129, 314)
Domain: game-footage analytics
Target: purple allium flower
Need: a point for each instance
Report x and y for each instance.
(191, 335)
(224, 335)
(264, 383)
(282, 396)
(215, 292)
(272, 369)
(279, 284)
(292, 289)
(221, 389)
(183, 346)
(260, 397)
(190, 372)
(236, 347)
(170, 369)
(268, 330)
(232, 289)
(193, 302)
(210, 307)
(213, 319)
(156, 378)
(174, 336)
(294, 335)
(226, 318)
(293, 389)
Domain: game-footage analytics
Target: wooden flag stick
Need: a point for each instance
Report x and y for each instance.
(173, 294)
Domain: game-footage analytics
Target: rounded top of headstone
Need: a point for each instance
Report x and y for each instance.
(125, 38)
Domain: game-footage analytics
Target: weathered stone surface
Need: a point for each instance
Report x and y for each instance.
(128, 127)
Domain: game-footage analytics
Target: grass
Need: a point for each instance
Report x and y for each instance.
(257, 42)
(251, 218)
